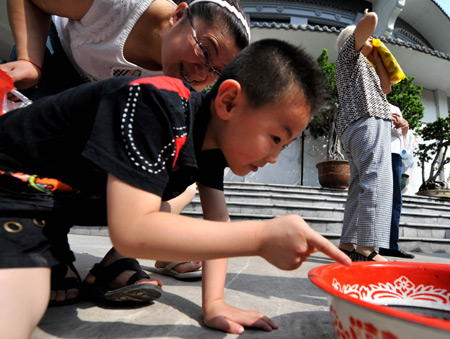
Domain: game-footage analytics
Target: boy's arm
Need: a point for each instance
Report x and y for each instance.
(217, 313)
(214, 271)
(139, 229)
(365, 28)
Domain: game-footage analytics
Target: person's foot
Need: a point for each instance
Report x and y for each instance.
(122, 279)
(396, 253)
(348, 249)
(184, 270)
(368, 254)
(117, 279)
(350, 254)
(65, 285)
(122, 282)
(189, 266)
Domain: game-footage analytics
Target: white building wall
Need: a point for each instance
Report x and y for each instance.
(288, 169)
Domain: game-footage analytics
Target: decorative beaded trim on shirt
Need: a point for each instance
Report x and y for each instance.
(167, 152)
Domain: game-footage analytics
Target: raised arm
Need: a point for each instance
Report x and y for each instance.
(365, 28)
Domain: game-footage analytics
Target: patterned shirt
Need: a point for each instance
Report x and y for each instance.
(359, 88)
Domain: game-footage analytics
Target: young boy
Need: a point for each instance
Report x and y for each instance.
(139, 141)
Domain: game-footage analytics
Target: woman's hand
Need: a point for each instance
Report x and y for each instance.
(375, 58)
(233, 320)
(399, 122)
(23, 73)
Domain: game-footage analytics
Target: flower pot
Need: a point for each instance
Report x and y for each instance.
(334, 173)
(436, 193)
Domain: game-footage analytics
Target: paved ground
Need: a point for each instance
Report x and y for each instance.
(288, 297)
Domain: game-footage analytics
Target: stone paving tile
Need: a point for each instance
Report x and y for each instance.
(288, 297)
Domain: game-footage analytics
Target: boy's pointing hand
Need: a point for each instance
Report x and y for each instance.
(288, 241)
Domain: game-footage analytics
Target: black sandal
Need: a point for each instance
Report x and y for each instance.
(131, 294)
(348, 253)
(361, 257)
(59, 281)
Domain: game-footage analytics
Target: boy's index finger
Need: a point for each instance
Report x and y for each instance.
(325, 246)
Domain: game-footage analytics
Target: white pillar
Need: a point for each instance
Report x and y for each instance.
(388, 12)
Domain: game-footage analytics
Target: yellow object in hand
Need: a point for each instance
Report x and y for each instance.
(391, 65)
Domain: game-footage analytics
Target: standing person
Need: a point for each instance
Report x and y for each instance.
(364, 125)
(95, 40)
(134, 140)
(399, 129)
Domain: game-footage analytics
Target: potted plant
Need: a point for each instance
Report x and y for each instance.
(335, 171)
(436, 142)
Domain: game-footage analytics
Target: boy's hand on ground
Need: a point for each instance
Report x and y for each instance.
(288, 241)
(233, 320)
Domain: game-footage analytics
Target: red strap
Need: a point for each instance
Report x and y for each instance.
(31, 62)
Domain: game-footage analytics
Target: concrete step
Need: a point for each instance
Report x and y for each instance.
(324, 208)
(424, 224)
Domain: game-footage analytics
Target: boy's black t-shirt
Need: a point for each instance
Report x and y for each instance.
(148, 132)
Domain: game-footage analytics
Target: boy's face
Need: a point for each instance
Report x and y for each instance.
(251, 137)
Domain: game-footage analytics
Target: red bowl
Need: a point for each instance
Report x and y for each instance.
(387, 300)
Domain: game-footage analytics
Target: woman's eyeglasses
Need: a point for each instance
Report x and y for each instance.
(202, 53)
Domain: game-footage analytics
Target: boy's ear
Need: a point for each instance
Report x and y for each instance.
(228, 94)
(178, 14)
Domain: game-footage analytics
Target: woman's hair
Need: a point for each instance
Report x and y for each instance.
(343, 36)
(271, 68)
(228, 15)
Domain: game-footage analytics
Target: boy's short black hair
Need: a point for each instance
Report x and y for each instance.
(267, 68)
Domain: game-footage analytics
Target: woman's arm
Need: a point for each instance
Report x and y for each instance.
(30, 22)
(385, 81)
(72, 9)
(365, 28)
(29, 26)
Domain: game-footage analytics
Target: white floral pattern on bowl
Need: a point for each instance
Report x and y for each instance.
(358, 295)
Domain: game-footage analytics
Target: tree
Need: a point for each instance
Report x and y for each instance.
(324, 123)
(436, 137)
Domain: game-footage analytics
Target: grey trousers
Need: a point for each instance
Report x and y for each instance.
(367, 215)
